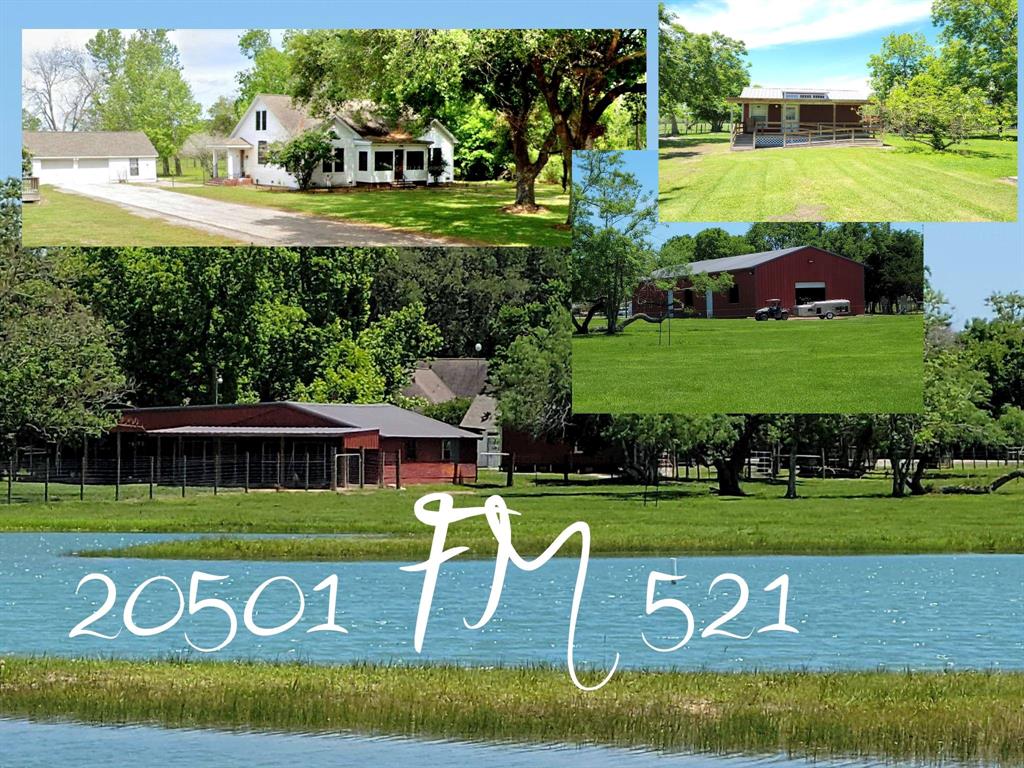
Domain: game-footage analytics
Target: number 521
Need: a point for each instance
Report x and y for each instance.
(714, 628)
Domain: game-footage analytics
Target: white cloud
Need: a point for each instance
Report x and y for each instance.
(760, 24)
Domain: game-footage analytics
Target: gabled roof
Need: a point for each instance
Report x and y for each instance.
(810, 94)
(482, 415)
(53, 144)
(363, 117)
(389, 420)
(445, 378)
(732, 263)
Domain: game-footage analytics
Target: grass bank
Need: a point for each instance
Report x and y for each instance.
(700, 179)
(61, 218)
(469, 213)
(831, 517)
(865, 364)
(962, 716)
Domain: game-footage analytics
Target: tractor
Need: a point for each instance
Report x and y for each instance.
(774, 311)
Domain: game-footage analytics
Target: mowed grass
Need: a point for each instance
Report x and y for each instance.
(468, 214)
(968, 717)
(835, 516)
(864, 364)
(700, 179)
(61, 218)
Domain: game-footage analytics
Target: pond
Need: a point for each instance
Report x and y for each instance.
(43, 745)
(865, 612)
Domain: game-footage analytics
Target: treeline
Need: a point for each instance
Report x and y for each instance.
(86, 332)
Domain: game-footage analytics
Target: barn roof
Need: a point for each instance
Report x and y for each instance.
(53, 144)
(732, 263)
(810, 94)
(389, 420)
(482, 414)
(445, 378)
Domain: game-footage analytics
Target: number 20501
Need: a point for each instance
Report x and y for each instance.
(195, 605)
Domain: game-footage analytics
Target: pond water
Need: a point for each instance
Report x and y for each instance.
(43, 745)
(918, 611)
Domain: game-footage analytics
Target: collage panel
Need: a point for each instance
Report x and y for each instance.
(543, 384)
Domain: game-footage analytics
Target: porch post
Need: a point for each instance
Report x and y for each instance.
(214, 150)
(833, 119)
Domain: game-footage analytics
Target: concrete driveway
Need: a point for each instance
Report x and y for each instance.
(248, 223)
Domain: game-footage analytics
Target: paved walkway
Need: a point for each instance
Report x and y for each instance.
(249, 223)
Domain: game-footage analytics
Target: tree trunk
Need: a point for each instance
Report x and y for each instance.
(584, 327)
(166, 164)
(915, 485)
(730, 468)
(791, 484)
(525, 184)
(177, 166)
(674, 123)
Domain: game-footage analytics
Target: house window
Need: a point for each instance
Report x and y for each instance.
(414, 161)
(734, 294)
(133, 166)
(409, 450)
(447, 450)
(261, 153)
(327, 166)
(758, 113)
(364, 160)
(261, 120)
(436, 158)
(383, 161)
(339, 159)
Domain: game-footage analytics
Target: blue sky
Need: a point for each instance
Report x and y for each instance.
(968, 262)
(808, 42)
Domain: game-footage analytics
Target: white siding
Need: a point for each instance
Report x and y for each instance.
(92, 170)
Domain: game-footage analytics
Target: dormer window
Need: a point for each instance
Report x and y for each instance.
(805, 95)
(261, 120)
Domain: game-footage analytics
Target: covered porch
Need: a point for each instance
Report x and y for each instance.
(235, 152)
(388, 162)
(784, 118)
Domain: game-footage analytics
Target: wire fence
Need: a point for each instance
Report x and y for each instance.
(32, 477)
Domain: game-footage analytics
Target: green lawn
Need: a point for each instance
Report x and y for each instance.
(472, 215)
(700, 179)
(849, 365)
(968, 718)
(61, 218)
(840, 516)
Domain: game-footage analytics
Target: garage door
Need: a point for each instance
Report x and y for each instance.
(90, 170)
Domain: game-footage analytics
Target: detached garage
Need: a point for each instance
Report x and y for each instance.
(90, 157)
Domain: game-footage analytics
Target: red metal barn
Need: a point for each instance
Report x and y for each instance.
(793, 275)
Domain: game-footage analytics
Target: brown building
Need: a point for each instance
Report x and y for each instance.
(288, 444)
(793, 275)
(795, 117)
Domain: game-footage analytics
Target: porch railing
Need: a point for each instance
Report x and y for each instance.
(29, 189)
(803, 134)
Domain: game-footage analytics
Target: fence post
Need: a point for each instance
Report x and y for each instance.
(510, 469)
(307, 472)
(152, 475)
(823, 463)
(46, 482)
(117, 471)
(362, 467)
(334, 468)
(216, 466)
(398, 470)
(246, 471)
(10, 477)
(81, 475)
(184, 474)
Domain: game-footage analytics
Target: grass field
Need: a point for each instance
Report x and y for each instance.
(832, 516)
(472, 215)
(61, 218)
(970, 717)
(850, 365)
(700, 179)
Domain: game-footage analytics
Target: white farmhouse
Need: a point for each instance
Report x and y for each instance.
(90, 157)
(367, 151)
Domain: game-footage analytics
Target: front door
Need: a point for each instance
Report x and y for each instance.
(790, 118)
(399, 164)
